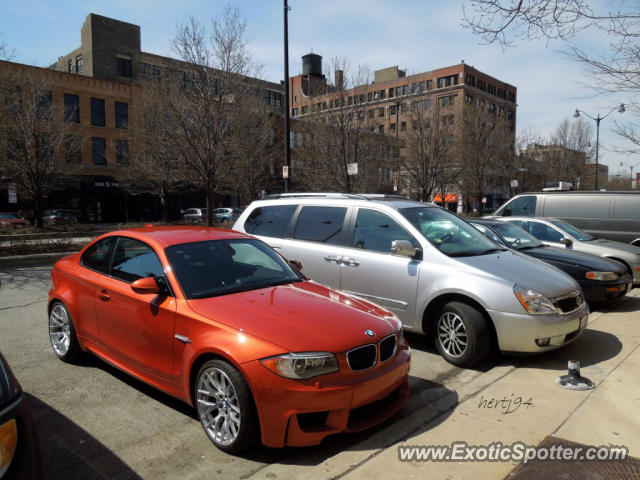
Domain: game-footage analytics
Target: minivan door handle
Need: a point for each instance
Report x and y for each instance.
(333, 259)
(350, 262)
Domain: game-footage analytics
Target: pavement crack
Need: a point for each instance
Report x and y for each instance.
(24, 305)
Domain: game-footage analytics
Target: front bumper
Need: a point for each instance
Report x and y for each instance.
(518, 332)
(303, 412)
(596, 291)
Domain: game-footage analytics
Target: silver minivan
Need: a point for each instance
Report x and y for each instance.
(434, 270)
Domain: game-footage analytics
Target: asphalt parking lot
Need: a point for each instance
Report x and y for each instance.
(95, 422)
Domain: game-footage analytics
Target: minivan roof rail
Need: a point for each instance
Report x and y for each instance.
(357, 196)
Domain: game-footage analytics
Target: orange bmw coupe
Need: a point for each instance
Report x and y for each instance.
(221, 321)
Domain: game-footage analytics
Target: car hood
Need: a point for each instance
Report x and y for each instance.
(300, 317)
(515, 267)
(576, 259)
(625, 247)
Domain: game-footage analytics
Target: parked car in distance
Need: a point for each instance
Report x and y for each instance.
(601, 279)
(195, 215)
(558, 233)
(19, 450)
(12, 220)
(610, 215)
(439, 274)
(59, 217)
(219, 320)
(224, 215)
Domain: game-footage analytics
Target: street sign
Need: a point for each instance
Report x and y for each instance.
(285, 171)
(484, 200)
(352, 168)
(514, 183)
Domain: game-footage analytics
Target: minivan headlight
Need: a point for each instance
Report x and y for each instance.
(604, 276)
(299, 366)
(532, 301)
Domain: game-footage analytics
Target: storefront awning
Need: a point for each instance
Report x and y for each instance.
(448, 198)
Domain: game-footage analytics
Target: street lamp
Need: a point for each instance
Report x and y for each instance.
(597, 120)
(631, 167)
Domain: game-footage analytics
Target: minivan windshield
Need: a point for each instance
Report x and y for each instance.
(575, 232)
(448, 233)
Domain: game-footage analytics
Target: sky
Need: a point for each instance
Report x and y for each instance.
(415, 35)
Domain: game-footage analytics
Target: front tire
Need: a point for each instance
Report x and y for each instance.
(225, 407)
(62, 333)
(462, 335)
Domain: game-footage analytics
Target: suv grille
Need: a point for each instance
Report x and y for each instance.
(387, 347)
(362, 358)
(569, 304)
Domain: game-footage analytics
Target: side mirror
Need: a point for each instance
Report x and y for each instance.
(297, 264)
(566, 241)
(146, 285)
(403, 248)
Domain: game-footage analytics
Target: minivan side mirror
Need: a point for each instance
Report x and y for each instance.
(404, 248)
(566, 241)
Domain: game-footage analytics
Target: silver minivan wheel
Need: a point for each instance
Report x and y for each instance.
(463, 337)
(452, 334)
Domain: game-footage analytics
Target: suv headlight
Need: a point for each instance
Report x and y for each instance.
(299, 366)
(601, 276)
(532, 301)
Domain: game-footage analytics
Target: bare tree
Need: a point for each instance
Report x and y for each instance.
(569, 161)
(204, 108)
(429, 158)
(40, 146)
(487, 148)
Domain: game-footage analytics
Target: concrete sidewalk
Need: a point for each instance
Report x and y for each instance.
(609, 352)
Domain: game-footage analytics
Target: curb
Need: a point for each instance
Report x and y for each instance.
(33, 260)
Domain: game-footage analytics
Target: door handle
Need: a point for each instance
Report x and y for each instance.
(104, 295)
(350, 262)
(333, 259)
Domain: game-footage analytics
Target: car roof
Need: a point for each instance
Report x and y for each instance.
(168, 236)
(392, 201)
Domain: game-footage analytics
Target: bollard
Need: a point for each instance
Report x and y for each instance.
(573, 380)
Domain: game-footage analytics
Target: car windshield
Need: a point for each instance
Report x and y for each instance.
(573, 231)
(448, 233)
(516, 237)
(220, 267)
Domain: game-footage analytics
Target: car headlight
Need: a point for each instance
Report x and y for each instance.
(532, 301)
(8, 443)
(302, 365)
(601, 276)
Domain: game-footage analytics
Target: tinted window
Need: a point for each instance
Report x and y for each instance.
(98, 256)
(97, 112)
(269, 221)
(376, 230)
(521, 206)
(627, 207)
(571, 230)
(544, 232)
(320, 224)
(133, 260)
(577, 206)
(220, 267)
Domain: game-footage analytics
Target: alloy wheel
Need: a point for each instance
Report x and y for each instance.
(218, 406)
(452, 334)
(59, 330)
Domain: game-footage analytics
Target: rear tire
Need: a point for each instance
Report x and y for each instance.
(225, 407)
(463, 337)
(62, 333)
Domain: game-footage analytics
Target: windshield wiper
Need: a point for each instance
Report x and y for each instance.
(491, 250)
(527, 247)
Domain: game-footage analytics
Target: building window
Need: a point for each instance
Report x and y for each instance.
(305, 110)
(372, 113)
(398, 91)
(391, 90)
(72, 108)
(392, 128)
(272, 98)
(70, 66)
(447, 101)
(73, 152)
(292, 139)
(382, 94)
(369, 96)
(405, 90)
(404, 108)
(403, 126)
(97, 112)
(122, 152)
(509, 114)
(393, 110)
(468, 99)
(429, 84)
(381, 112)
(294, 112)
(447, 81)
(122, 114)
(427, 104)
(99, 151)
(123, 66)
(381, 129)
(420, 86)
(43, 104)
(79, 64)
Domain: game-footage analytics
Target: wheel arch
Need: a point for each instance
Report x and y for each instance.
(430, 313)
(629, 269)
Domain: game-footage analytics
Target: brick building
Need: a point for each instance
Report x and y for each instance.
(101, 82)
(386, 103)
